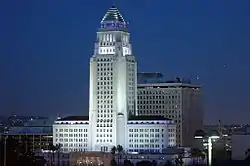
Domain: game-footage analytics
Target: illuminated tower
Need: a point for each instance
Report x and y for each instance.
(113, 83)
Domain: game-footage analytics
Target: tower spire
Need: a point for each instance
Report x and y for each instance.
(113, 15)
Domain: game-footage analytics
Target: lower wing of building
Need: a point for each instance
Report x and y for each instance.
(143, 134)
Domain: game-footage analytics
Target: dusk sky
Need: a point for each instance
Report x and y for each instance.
(45, 48)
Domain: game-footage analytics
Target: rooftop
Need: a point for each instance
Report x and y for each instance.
(154, 78)
(40, 122)
(148, 118)
(150, 75)
(74, 118)
(113, 15)
(30, 130)
(85, 118)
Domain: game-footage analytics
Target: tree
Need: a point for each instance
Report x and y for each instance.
(247, 155)
(113, 161)
(13, 153)
(168, 163)
(179, 160)
(176, 161)
(113, 150)
(154, 163)
(196, 154)
(144, 163)
(120, 151)
(52, 149)
(57, 148)
(39, 161)
(127, 162)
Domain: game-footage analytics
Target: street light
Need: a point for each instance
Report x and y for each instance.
(213, 134)
(5, 150)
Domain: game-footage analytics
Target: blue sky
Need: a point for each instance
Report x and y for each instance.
(45, 48)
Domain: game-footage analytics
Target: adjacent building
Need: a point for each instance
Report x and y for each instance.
(113, 116)
(37, 134)
(177, 100)
(240, 146)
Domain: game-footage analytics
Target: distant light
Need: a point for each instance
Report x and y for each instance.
(215, 137)
(198, 137)
(134, 152)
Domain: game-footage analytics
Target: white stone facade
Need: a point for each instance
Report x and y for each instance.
(151, 136)
(71, 134)
(143, 134)
(113, 99)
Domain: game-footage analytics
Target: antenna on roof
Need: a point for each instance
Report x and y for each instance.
(58, 117)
